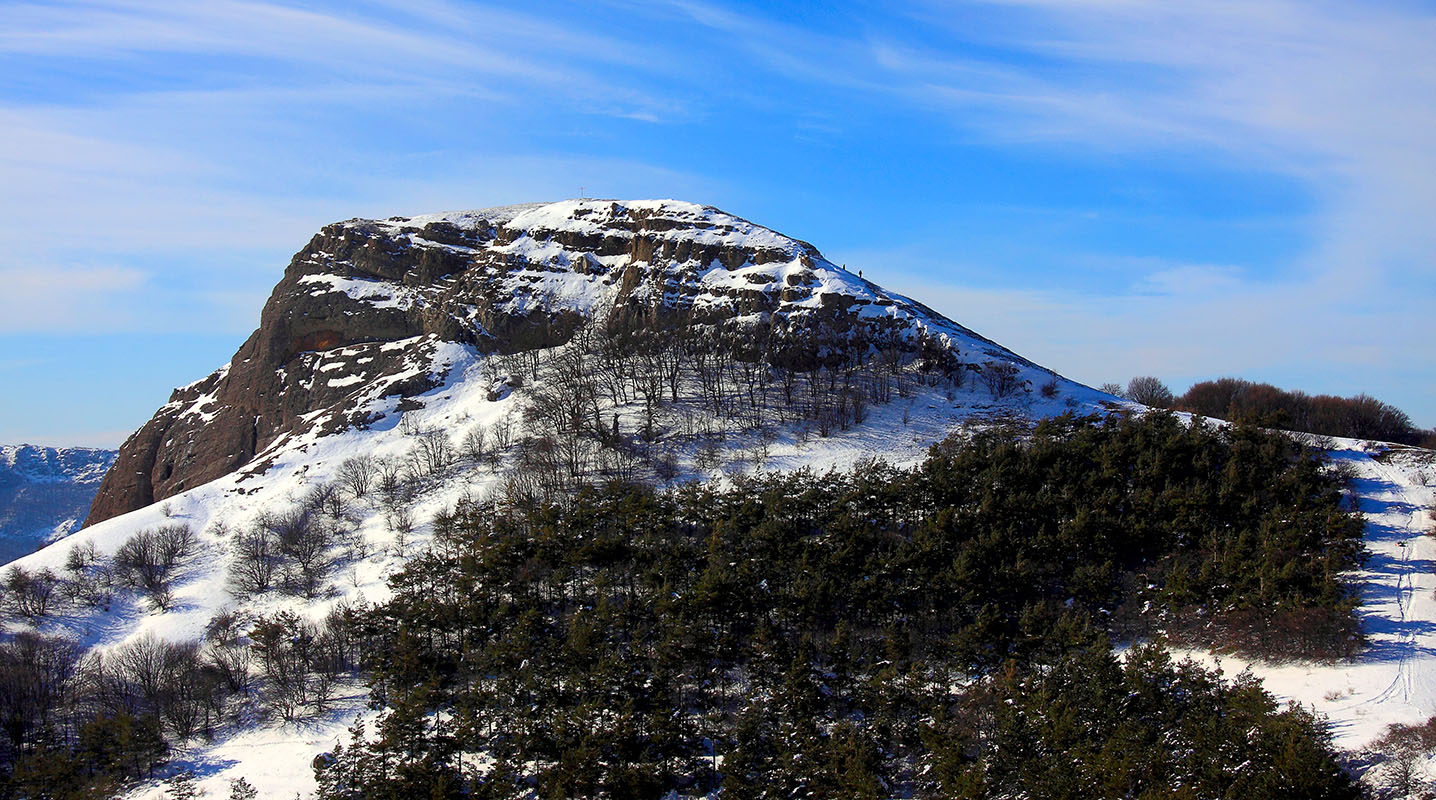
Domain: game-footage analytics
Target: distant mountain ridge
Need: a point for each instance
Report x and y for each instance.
(45, 493)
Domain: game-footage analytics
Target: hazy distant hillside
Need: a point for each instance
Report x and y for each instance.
(45, 493)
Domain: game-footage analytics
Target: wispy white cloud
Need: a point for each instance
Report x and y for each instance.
(434, 46)
(44, 298)
(280, 119)
(1189, 322)
(1190, 332)
(1341, 95)
(1192, 280)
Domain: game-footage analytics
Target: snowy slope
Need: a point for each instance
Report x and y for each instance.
(576, 256)
(276, 757)
(1393, 681)
(360, 302)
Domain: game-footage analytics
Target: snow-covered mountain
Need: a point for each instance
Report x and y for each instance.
(45, 493)
(522, 348)
(377, 309)
(526, 347)
(517, 349)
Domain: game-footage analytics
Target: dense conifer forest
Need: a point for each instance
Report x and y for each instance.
(943, 631)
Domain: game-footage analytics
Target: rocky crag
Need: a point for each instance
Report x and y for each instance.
(362, 308)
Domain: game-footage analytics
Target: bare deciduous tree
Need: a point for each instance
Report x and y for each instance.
(30, 594)
(1405, 751)
(87, 577)
(290, 655)
(1149, 391)
(327, 499)
(147, 560)
(303, 540)
(503, 431)
(225, 650)
(356, 475)
(38, 680)
(150, 675)
(1001, 379)
(255, 560)
(393, 484)
(432, 454)
(475, 446)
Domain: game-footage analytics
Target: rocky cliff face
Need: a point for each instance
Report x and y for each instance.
(45, 493)
(363, 306)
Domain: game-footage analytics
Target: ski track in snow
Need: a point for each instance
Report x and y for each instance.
(1394, 679)
(1405, 644)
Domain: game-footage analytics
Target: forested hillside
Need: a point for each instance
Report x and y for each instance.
(945, 631)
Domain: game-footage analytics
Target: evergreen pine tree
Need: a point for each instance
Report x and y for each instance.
(241, 789)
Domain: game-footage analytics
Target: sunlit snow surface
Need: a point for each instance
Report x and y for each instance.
(1391, 682)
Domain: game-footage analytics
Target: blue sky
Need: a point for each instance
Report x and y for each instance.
(1184, 188)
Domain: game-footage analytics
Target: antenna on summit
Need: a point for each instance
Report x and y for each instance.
(580, 193)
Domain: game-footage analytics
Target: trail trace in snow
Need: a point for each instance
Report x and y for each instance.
(1393, 680)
